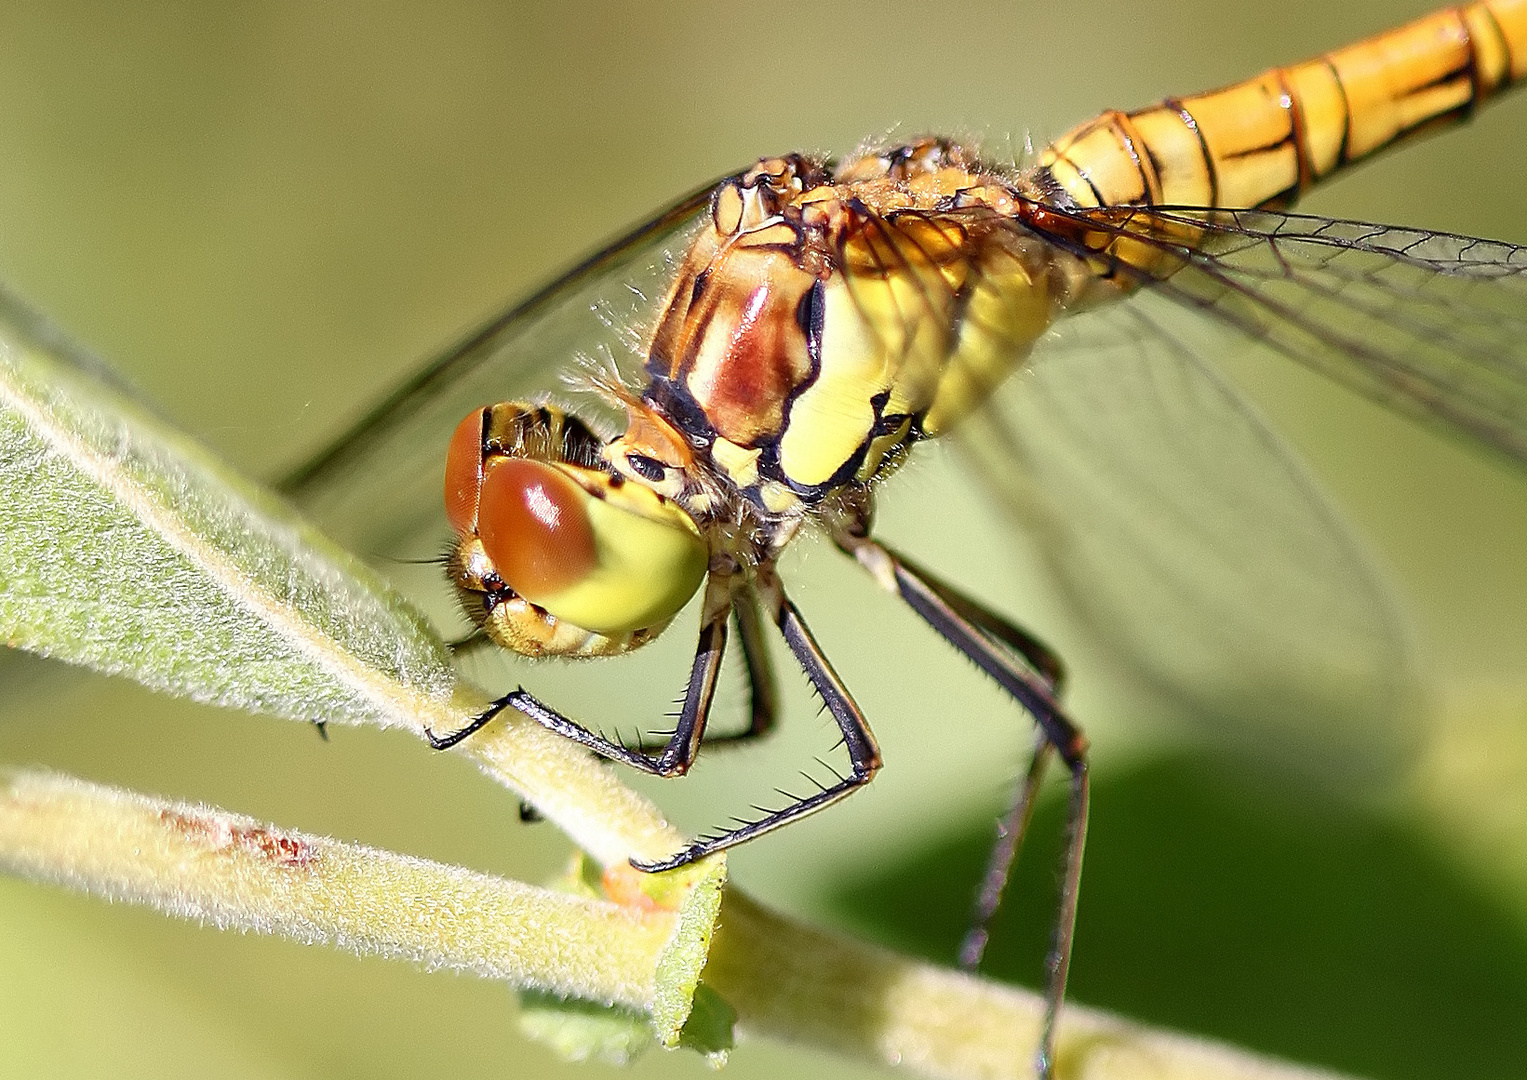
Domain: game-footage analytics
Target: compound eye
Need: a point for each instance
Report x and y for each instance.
(534, 527)
(463, 473)
(602, 555)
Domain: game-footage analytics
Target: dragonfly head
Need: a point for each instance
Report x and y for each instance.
(652, 452)
(555, 553)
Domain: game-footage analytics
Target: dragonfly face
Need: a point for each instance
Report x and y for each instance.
(555, 552)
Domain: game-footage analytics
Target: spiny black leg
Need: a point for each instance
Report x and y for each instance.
(1039, 655)
(472, 727)
(679, 751)
(323, 729)
(1011, 830)
(863, 754)
(1035, 694)
(762, 697)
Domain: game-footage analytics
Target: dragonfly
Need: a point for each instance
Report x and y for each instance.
(799, 328)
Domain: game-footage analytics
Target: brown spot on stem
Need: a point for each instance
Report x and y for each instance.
(220, 834)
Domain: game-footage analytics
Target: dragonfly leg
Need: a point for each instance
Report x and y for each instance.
(761, 693)
(863, 753)
(477, 640)
(1038, 655)
(763, 707)
(678, 752)
(763, 699)
(969, 627)
(1011, 829)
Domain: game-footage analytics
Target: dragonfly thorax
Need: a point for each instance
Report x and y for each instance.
(825, 319)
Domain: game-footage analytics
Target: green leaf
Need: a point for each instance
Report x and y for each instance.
(709, 1029)
(679, 967)
(584, 1030)
(126, 547)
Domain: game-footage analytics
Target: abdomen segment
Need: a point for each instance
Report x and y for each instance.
(1263, 142)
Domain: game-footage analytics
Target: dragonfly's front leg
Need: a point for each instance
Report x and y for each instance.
(1005, 653)
(679, 750)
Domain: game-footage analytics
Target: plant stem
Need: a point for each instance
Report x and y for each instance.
(785, 980)
(205, 864)
(800, 984)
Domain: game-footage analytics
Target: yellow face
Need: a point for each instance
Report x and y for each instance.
(561, 555)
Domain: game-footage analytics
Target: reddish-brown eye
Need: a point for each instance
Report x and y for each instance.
(533, 526)
(463, 474)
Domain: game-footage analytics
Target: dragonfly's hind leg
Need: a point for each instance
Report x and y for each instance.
(1043, 659)
(1007, 654)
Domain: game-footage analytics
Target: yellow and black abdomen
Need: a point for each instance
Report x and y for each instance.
(1265, 141)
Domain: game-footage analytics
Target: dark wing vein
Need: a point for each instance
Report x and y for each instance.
(1429, 324)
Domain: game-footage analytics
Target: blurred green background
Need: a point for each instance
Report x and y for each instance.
(265, 214)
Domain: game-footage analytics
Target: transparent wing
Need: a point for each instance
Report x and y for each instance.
(377, 488)
(1187, 538)
(1175, 522)
(1430, 324)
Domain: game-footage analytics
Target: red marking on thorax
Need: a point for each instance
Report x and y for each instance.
(761, 362)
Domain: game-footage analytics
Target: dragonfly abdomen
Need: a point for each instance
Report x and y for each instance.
(1265, 141)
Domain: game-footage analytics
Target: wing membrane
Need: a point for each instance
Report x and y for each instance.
(1431, 325)
(377, 487)
(1176, 523)
(1187, 538)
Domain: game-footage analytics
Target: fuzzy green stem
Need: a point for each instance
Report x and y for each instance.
(800, 984)
(785, 980)
(205, 864)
